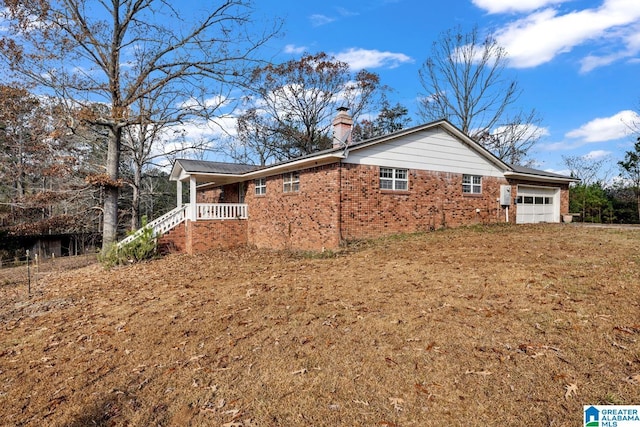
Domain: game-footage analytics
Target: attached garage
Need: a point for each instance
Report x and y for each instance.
(537, 204)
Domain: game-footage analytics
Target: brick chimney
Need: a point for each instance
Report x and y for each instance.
(342, 125)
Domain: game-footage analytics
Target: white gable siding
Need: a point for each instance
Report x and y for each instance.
(431, 149)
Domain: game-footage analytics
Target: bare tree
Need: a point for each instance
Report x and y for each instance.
(465, 83)
(292, 104)
(630, 171)
(156, 138)
(588, 170)
(122, 51)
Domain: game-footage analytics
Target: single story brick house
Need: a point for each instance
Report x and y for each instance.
(418, 179)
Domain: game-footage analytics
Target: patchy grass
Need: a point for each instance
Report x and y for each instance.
(516, 325)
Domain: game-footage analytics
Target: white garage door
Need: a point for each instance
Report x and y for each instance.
(537, 204)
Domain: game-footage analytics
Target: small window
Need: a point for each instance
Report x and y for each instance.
(291, 182)
(261, 186)
(471, 184)
(394, 179)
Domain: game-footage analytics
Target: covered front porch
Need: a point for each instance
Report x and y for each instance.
(198, 174)
(195, 226)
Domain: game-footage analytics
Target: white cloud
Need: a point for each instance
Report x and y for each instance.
(506, 6)
(524, 132)
(603, 129)
(565, 172)
(592, 62)
(346, 12)
(629, 37)
(293, 49)
(541, 36)
(216, 101)
(359, 59)
(596, 154)
(318, 20)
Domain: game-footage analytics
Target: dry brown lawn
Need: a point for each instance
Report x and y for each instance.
(505, 325)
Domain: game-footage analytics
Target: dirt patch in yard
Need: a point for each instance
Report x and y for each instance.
(505, 325)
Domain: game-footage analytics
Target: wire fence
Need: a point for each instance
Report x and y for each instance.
(27, 270)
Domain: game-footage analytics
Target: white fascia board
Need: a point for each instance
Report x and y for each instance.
(541, 178)
(296, 165)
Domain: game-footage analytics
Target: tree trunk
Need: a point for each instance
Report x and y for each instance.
(111, 192)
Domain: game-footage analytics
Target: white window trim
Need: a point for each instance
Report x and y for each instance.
(397, 184)
(291, 182)
(260, 186)
(473, 185)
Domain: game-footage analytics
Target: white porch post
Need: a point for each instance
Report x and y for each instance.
(179, 194)
(192, 198)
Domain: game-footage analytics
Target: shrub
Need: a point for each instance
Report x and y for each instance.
(140, 249)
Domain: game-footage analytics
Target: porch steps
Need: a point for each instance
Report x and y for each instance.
(159, 226)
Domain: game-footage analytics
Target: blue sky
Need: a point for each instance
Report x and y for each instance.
(577, 61)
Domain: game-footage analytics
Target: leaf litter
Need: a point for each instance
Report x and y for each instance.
(488, 325)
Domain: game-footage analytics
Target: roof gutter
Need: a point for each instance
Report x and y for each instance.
(543, 178)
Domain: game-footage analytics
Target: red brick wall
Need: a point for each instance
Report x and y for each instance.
(202, 236)
(226, 194)
(305, 220)
(313, 218)
(174, 239)
(434, 200)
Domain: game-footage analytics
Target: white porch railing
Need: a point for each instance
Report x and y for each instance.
(221, 211)
(204, 211)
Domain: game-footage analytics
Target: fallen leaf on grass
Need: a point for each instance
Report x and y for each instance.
(572, 389)
(387, 424)
(633, 329)
(390, 361)
(633, 379)
(422, 389)
(397, 403)
(483, 373)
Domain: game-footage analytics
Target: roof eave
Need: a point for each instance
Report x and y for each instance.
(543, 178)
(216, 179)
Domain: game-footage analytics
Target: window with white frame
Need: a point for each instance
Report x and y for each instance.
(394, 179)
(291, 182)
(261, 186)
(471, 184)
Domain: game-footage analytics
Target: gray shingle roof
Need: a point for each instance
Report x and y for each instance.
(204, 166)
(530, 171)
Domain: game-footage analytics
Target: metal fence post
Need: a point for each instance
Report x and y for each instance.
(28, 274)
